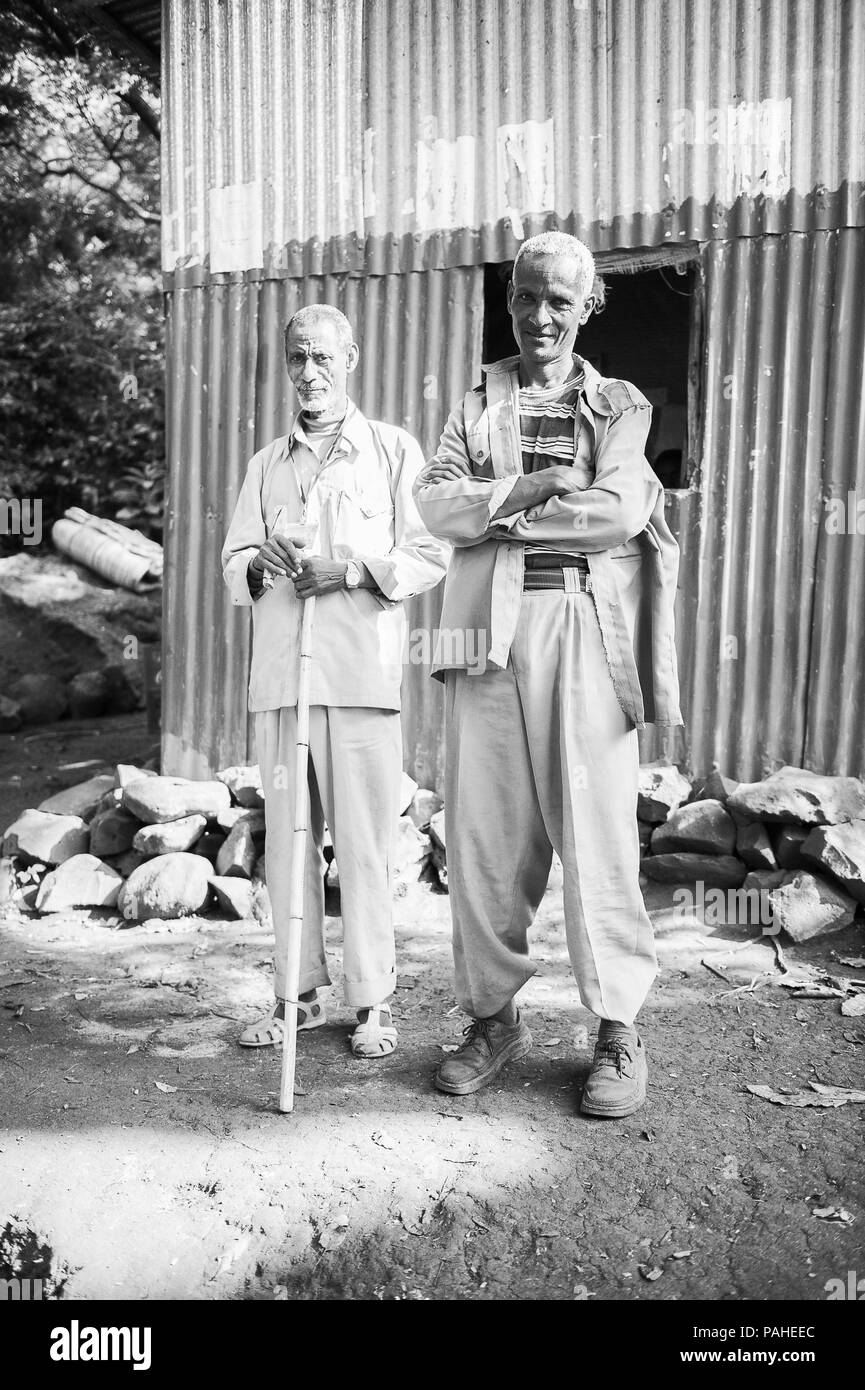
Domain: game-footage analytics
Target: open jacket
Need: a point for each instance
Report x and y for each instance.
(616, 519)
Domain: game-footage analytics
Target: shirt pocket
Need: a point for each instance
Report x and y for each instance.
(364, 521)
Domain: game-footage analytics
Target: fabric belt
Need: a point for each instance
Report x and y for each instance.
(568, 578)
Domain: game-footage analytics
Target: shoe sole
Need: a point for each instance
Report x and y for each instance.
(301, 1028)
(511, 1052)
(619, 1112)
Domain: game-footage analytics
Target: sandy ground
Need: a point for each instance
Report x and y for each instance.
(142, 1156)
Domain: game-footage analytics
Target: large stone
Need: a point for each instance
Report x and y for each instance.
(662, 788)
(412, 848)
(713, 870)
(244, 783)
(437, 829)
(81, 800)
(82, 881)
(228, 819)
(234, 896)
(424, 805)
(237, 857)
(42, 698)
(174, 885)
(795, 796)
(45, 837)
(841, 850)
(11, 717)
(407, 789)
(112, 832)
(809, 905)
(126, 773)
(171, 837)
(714, 787)
(155, 800)
(787, 842)
(700, 827)
(754, 847)
(762, 882)
(88, 695)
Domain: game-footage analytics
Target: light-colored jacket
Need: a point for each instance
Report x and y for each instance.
(616, 519)
(362, 508)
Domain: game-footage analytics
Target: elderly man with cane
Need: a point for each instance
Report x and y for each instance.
(564, 561)
(326, 514)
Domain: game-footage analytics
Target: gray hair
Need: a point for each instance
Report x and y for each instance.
(562, 244)
(311, 314)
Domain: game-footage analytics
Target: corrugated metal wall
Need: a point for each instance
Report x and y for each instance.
(770, 630)
(313, 136)
(229, 395)
(376, 154)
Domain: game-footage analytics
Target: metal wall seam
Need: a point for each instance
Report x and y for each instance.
(782, 416)
(420, 337)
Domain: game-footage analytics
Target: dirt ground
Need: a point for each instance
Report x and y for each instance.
(142, 1156)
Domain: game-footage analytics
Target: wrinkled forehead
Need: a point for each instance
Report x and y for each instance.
(317, 337)
(552, 272)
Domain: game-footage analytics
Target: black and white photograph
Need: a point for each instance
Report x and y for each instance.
(432, 690)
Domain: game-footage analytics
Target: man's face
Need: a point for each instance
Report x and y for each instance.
(319, 367)
(546, 303)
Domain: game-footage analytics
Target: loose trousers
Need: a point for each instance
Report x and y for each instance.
(540, 757)
(355, 762)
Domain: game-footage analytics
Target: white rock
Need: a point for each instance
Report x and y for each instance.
(701, 827)
(424, 805)
(233, 896)
(174, 885)
(841, 850)
(794, 795)
(408, 787)
(155, 800)
(244, 783)
(46, 837)
(412, 848)
(807, 905)
(227, 820)
(661, 789)
(82, 881)
(170, 837)
(125, 773)
(112, 832)
(81, 800)
(239, 853)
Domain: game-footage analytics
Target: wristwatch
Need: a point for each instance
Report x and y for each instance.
(353, 574)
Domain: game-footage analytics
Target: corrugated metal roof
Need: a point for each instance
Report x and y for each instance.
(229, 395)
(326, 135)
(770, 633)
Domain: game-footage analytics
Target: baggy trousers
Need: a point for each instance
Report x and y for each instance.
(355, 761)
(540, 757)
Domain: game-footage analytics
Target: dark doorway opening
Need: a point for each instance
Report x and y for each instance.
(645, 334)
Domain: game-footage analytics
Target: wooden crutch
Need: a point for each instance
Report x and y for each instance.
(298, 862)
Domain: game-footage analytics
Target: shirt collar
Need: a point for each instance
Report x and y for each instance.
(591, 381)
(355, 432)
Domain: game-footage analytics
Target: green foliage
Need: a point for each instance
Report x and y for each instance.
(81, 330)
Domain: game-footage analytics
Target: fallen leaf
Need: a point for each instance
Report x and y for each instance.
(450, 1047)
(839, 1214)
(823, 1096)
(855, 1007)
(383, 1140)
(551, 1042)
(682, 1254)
(133, 1048)
(164, 1086)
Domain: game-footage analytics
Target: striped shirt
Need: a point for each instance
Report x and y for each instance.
(550, 434)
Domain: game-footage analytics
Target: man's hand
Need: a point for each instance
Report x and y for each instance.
(534, 489)
(319, 576)
(561, 479)
(277, 556)
(447, 470)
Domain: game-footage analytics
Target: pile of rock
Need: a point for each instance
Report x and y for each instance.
(151, 846)
(42, 698)
(797, 839)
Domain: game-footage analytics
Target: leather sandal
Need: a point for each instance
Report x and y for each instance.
(376, 1036)
(269, 1031)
